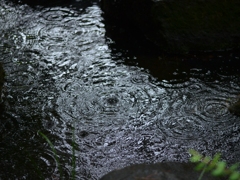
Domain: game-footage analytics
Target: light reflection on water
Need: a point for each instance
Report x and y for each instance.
(64, 80)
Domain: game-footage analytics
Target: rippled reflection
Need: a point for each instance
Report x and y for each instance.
(64, 80)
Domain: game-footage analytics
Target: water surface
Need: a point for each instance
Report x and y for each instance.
(67, 79)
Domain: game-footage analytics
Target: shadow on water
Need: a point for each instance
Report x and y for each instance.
(66, 78)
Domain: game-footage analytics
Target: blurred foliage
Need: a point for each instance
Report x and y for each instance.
(215, 165)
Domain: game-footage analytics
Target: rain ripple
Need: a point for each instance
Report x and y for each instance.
(196, 111)
(98, 103)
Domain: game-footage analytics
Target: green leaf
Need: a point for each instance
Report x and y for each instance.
(196, 157)
(234, 176)
(214, 162)
(216, 158)
(207, 159)
(200, 166)
(219, 169)
(215, 165)
(234, 167)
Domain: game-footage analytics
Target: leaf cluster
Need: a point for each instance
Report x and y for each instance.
(215, 165)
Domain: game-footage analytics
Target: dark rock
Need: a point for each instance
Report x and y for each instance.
(181, 26)
(159, 171)
(235, 108)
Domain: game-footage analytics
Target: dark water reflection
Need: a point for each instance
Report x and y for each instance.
(65, 79)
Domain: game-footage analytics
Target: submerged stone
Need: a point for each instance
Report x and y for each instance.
(161, 171)
(235, 108)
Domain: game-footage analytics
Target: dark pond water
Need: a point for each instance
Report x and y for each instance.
(67, 79)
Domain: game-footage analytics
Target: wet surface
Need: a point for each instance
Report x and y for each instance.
(67, 79)
(158, 171)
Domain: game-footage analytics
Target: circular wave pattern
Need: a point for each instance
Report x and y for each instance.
(62, 78)
(212, 108)
(57, 14)
(185, 128)
(103, 104)
(195, 112)
(140, 78)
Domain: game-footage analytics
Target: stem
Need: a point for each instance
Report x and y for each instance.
(202, 173)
